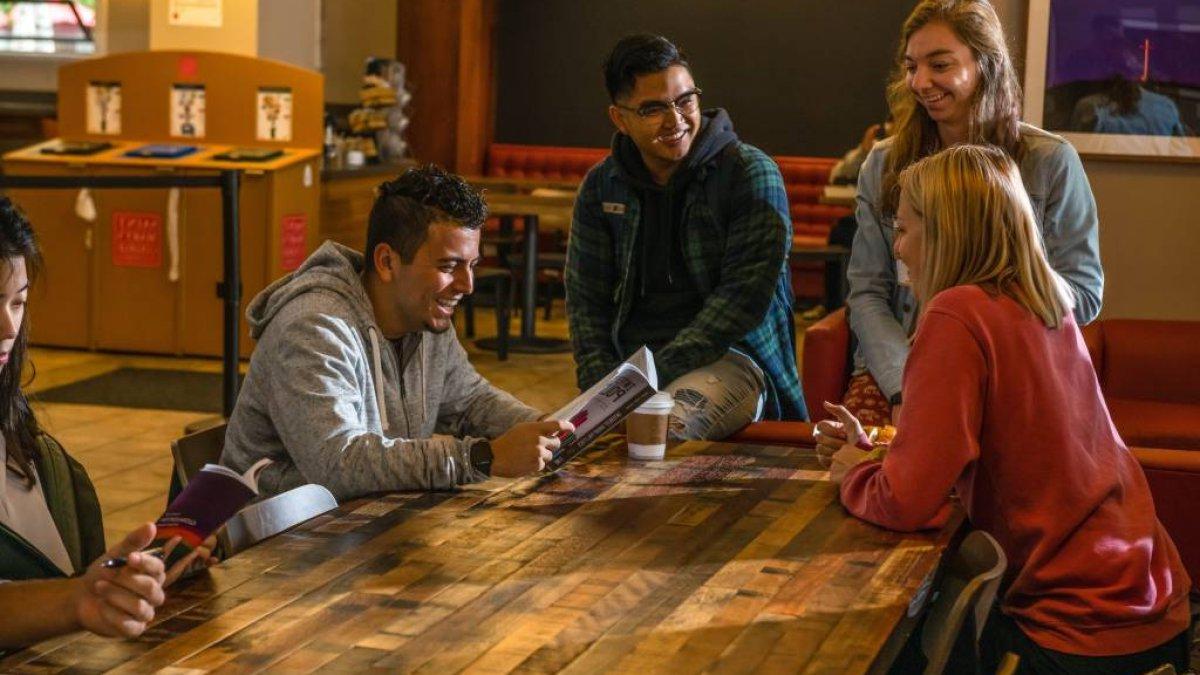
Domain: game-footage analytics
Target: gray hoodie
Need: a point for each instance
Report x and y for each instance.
(327, 400)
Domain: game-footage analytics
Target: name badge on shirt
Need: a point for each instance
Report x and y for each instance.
(902, 277)
(615, 208)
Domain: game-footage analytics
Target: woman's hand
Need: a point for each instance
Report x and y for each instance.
(120, 602)
(836, 442)
(832, 435)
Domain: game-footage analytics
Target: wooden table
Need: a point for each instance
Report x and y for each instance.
(495, 184)
(530, 208)
(725, 557)
(838, 256)
(839, 195)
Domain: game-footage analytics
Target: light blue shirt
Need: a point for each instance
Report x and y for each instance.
(882, 313)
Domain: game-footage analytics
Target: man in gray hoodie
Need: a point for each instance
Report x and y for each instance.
(358, 382)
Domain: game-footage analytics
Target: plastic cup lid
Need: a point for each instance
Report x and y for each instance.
(663, 400)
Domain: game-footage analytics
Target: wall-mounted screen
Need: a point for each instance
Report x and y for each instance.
(1117, 77)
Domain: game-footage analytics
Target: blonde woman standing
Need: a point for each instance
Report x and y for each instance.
(955, 83)
(1004, 409)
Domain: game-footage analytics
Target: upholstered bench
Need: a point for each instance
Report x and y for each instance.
(1150, 374)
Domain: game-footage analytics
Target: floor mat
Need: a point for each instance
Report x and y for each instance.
(142, 388)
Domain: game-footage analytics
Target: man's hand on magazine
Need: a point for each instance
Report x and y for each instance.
(527, 447)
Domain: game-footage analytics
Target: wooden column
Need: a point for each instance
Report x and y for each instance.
(448, 49)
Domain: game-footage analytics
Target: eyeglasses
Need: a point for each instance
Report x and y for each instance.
(655, 111)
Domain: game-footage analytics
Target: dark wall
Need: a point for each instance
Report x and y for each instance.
(799, 77)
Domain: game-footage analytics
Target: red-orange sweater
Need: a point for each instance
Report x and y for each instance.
(1010, 414)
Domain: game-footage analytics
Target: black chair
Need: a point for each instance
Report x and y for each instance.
(501, 280)
(551, 258)
(549, 261)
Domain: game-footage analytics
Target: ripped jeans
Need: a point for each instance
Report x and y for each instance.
(713, 401)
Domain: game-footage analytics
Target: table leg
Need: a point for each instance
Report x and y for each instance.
(840, 264)
(528, 342)
(529, 292)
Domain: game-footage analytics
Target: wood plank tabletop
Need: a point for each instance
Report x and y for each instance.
(839, 195)
(554, 211)
(724, 557)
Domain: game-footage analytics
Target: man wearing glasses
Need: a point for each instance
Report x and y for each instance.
(679, 242)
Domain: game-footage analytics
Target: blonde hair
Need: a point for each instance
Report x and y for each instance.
(980, 229)
(995, 110)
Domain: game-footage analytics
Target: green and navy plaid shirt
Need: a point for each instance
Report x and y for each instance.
(736, 235)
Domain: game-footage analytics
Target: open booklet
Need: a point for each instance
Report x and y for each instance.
(596, 411)
(210, 498)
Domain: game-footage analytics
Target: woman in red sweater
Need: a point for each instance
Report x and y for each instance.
(1002, 407)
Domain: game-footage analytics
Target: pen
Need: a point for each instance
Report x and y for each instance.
(118, 562)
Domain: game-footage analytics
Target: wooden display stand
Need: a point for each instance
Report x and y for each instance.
(136, 278)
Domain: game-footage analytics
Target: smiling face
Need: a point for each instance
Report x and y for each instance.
(422, 294)
(909, 242)
(665, 139)
(14, 293)
(943, 75)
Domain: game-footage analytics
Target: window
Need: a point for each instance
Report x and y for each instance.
(65, 27)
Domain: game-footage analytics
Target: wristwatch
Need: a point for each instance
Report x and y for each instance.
(481, 457)
(895, 399)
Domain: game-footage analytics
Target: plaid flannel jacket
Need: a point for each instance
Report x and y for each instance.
(737, 258)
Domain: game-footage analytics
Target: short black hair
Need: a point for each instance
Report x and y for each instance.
(637, 55)
(405, 207)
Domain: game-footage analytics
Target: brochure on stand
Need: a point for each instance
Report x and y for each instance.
(210, 498)
(603, 406)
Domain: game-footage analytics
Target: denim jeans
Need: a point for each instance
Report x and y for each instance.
(716, 400)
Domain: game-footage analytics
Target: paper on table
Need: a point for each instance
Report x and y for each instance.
(603, 406)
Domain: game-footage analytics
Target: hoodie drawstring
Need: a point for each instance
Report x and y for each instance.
(377, 371)
(421, 373)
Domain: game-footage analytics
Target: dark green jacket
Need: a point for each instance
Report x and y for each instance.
(738, 260)
(76, 513)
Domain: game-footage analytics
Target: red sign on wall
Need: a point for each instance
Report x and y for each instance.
(188, 67)
(293, 238)
(137, 239)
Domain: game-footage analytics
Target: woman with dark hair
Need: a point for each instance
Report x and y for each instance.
(52, 579)
(955, 83)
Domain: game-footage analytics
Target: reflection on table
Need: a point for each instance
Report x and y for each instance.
(724, 556)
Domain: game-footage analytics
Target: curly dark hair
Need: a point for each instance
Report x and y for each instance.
(17, 423)
(637, 55)
(405, 207)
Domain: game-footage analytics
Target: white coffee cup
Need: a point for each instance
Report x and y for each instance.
(646, 428)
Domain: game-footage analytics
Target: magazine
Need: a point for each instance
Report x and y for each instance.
(214, 495)
(605, 404)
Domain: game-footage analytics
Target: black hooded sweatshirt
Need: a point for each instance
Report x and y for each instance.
(667, 297)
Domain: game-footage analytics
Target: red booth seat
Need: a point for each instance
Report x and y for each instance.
(805, 179)
(545, 162)
(1148, 371)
